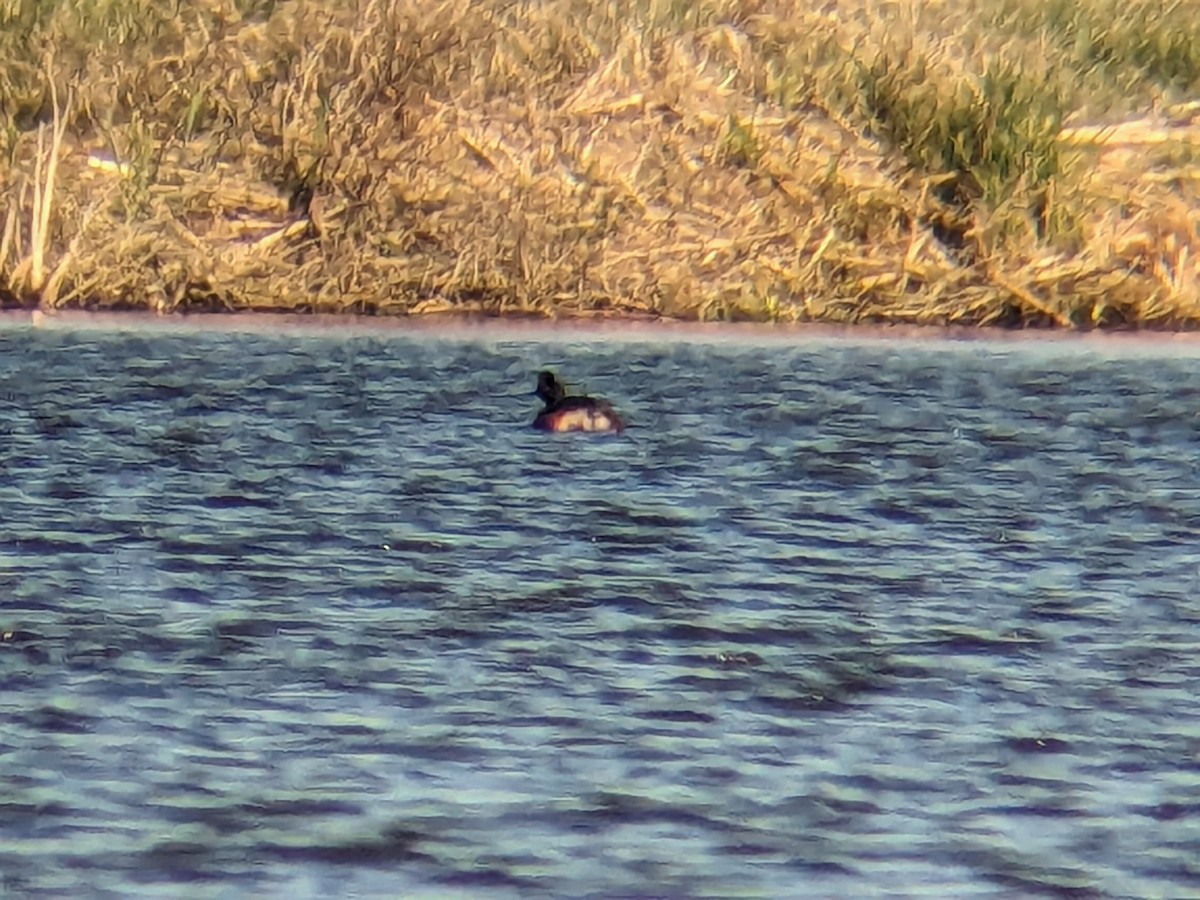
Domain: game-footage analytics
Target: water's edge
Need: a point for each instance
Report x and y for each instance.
(602, 328)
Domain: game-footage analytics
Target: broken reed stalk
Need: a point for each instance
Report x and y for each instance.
(35, 261)
(10, 230)
(43, 195)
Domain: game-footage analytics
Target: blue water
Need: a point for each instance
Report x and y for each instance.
(320, 615)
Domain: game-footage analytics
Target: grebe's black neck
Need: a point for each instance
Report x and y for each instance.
(550, 389)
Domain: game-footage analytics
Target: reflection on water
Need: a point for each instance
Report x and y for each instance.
(322, 615)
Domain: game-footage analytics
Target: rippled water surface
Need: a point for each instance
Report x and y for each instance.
(320, 615)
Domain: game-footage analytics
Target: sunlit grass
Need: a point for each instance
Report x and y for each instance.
(1008, 161)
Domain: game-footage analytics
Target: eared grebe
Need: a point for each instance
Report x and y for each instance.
(563, 413)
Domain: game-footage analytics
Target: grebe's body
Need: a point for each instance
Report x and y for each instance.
(563, 413)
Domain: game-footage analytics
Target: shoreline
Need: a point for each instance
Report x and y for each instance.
(608, 329)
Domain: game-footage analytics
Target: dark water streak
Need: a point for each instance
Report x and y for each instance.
(320, 615)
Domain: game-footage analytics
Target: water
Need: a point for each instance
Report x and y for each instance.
(318, 615)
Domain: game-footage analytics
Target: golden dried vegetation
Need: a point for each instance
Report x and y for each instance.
(1014, 162)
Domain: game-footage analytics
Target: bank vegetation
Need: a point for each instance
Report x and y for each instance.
(1009, 162)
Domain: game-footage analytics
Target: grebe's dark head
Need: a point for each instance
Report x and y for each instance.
(549, 388)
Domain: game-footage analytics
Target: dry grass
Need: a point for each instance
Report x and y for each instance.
(1012, 162)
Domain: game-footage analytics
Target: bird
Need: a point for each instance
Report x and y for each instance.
(563, 413)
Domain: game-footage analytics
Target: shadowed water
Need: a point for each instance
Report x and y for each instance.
(322, 616)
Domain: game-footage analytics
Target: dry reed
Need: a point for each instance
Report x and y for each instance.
(864, 161)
